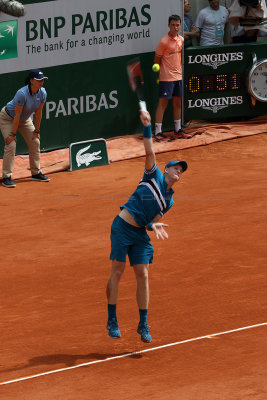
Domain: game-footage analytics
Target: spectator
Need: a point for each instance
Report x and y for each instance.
(247, 14)
(239, 35)
(190, 30)
(211, 23)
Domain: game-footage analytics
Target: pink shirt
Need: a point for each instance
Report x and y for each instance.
(170, 51)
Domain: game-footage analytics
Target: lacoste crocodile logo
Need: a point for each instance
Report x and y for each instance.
(87, 158)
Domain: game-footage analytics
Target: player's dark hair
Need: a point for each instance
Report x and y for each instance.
(174, 17)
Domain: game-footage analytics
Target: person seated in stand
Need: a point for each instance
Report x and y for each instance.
(248, 14)
(239, 35)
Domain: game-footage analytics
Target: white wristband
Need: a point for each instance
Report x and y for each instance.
(142, 105)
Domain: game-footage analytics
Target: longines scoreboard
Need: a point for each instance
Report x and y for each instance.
(225, 81)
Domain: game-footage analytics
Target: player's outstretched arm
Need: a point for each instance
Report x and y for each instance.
(148, 141)
(158, 228)
(160, 232)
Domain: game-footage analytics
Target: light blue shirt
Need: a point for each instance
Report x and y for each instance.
(210, 21)
(29, 102)
(150, 198)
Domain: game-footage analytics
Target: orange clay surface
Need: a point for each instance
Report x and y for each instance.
(208, 277)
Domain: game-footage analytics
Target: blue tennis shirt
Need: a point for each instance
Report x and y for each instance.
(29, 102)
(150, 198)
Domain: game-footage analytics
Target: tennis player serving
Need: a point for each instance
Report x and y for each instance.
(150, 201)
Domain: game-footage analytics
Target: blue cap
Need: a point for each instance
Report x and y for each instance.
(182, 163)
(37, 74)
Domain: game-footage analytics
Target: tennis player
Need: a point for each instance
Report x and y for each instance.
(150, 201)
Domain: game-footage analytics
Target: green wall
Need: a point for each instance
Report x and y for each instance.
(113, 108)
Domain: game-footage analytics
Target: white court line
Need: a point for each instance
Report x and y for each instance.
(131, 354)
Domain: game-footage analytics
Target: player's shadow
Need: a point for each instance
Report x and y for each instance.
(68, 360)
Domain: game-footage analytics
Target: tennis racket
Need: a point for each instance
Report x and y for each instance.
(136, 81)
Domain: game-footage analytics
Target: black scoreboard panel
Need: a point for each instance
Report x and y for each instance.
(215, 81)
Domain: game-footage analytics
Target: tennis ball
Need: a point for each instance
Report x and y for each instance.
(156, 67)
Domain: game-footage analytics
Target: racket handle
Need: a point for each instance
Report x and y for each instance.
(142, 105)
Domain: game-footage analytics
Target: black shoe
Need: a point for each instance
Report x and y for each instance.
(7, 182)
(40, 177)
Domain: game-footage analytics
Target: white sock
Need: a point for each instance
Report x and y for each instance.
(177, 125)
(158, 128)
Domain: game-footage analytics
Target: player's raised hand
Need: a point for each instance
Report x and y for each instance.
(159, 230)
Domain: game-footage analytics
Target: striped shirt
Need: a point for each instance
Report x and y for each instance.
(150, 198)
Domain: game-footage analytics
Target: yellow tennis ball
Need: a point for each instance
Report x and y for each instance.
(156, 67)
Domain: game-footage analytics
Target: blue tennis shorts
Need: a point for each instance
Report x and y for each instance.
(170, 89)
(127, 239)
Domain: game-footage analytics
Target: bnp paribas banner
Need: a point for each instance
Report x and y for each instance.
(83, 47)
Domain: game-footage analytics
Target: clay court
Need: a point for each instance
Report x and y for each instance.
(208, 310)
